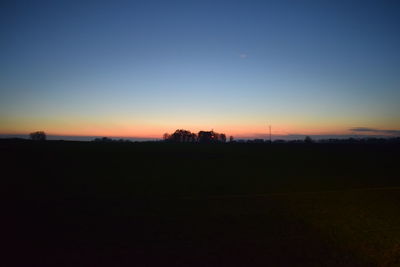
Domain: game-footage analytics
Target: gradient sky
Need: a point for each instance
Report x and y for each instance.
(142, 68)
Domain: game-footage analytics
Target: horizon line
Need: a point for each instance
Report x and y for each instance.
(296, 136)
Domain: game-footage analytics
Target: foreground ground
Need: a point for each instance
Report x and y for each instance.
(156, 204)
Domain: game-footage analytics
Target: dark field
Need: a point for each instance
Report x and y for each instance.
(160, 204)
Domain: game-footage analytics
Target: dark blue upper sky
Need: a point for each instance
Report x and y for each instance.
(145, 67)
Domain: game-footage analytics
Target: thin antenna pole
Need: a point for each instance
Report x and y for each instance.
(270, 136)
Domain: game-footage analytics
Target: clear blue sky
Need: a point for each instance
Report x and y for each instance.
(142, 68)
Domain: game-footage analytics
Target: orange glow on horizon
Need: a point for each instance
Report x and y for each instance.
(155, 128)
(153, 132)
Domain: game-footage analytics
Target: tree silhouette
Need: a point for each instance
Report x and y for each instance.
(182, 136)
(38, 136)
(206, 136)
(210, 137)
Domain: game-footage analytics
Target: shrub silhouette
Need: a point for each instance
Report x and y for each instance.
(109, 140)
(308, 140)
(38, 136)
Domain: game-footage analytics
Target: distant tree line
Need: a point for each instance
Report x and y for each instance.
(185, 136)
(309, 140)
(109, 140)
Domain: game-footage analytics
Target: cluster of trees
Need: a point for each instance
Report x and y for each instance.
(185, 136)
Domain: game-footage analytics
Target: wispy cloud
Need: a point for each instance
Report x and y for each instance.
(243, 55)
(374, 130)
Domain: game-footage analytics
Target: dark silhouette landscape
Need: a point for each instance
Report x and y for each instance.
(206, 133)
(193, 204)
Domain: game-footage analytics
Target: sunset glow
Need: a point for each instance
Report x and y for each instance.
(134, 69)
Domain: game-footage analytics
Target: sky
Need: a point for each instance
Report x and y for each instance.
(143, 68)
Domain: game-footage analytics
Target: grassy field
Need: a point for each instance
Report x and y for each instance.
(160, 204)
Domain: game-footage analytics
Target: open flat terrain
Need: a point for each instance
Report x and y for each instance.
(159, 204)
